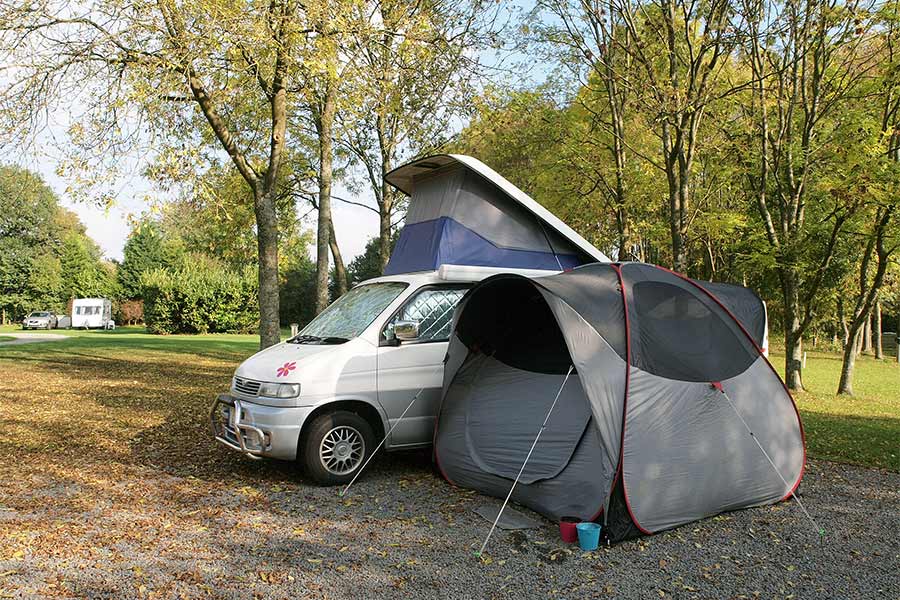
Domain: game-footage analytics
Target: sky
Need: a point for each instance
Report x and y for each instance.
(109, 227)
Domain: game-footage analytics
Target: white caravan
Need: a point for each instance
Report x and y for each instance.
(92, 313)
(374, 358)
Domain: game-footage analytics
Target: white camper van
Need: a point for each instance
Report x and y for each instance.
(92, 313)
(327, 396)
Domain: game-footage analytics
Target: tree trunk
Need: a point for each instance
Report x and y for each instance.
(324, 124)
(849, 361)
(340, 272)
(867, 335)
(842, 315)
(384, 230)
(267, 248)
(868, 293)
(793, 361)
(793, 338)
(876, 333)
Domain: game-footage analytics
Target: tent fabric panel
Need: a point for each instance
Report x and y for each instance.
(427, 245)
(434, 192)
(575, 491)
(417, 248)
(678, 332)
(744, 304)
(480, 206)
(506, 413)
(406, 178)
(688, 456)
(603, 381)
(593, 292)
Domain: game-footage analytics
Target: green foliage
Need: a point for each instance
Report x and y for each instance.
(298, 291)
(368, 264)
(83, 274)
(145, 250)
(45, 255)
(200, 296)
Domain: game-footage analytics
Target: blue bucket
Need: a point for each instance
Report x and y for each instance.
(588, 535)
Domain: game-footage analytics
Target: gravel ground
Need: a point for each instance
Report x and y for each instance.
(260, 531)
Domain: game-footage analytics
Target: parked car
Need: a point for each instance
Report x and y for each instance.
(40, 319)
(92, 313)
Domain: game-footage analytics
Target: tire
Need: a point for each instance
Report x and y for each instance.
(348, 435)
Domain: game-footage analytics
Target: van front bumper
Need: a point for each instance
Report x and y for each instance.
(256, 430)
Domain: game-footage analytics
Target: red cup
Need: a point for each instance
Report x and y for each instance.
(567, 530)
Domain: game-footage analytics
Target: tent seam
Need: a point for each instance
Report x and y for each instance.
(618, 269)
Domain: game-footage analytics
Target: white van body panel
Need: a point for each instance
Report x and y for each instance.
(363, 369)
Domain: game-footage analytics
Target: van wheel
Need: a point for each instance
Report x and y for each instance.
(336, 446)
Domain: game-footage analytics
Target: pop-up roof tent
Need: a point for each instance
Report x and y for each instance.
(462, 212)
(653, 425)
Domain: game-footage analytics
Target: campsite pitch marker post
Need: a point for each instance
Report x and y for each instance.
(718, 386)
(378, 447)
(522, 470)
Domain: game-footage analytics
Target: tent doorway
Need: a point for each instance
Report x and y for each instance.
(504, 388)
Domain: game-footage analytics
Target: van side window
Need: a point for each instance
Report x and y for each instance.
(433, 309)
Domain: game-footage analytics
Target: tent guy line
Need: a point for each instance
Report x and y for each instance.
(718, 386)
(378, 447)
(522, 470)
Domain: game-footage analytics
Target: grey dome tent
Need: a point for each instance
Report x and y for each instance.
(651, 428)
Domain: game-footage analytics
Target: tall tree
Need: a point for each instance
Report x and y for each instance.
(144, 251)
(83, 273)
(681, 50)
(193, 80)
(879, 247)
(594, 43)
(882, 235)
(412, 74)
(33, 228)
(805, 61)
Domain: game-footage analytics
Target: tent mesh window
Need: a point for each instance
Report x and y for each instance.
(681, 335)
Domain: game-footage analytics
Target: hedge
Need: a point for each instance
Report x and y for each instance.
(200, 297)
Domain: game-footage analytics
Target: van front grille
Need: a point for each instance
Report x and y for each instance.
(248, 387)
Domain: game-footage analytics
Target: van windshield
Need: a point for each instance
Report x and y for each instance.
(39, 314)
(350, 314)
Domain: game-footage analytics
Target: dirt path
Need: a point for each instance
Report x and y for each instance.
(30, 338)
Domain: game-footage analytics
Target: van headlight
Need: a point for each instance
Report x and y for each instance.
(279, 390)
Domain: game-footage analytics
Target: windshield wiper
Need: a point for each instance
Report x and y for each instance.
(315, 339)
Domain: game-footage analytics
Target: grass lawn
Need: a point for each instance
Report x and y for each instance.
(863, 428)
(170, 379)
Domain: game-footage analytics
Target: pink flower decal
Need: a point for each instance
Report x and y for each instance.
(285, 369)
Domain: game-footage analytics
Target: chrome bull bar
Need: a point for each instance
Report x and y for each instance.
(231, 432)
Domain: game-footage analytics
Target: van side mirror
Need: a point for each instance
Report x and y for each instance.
(406, 331)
